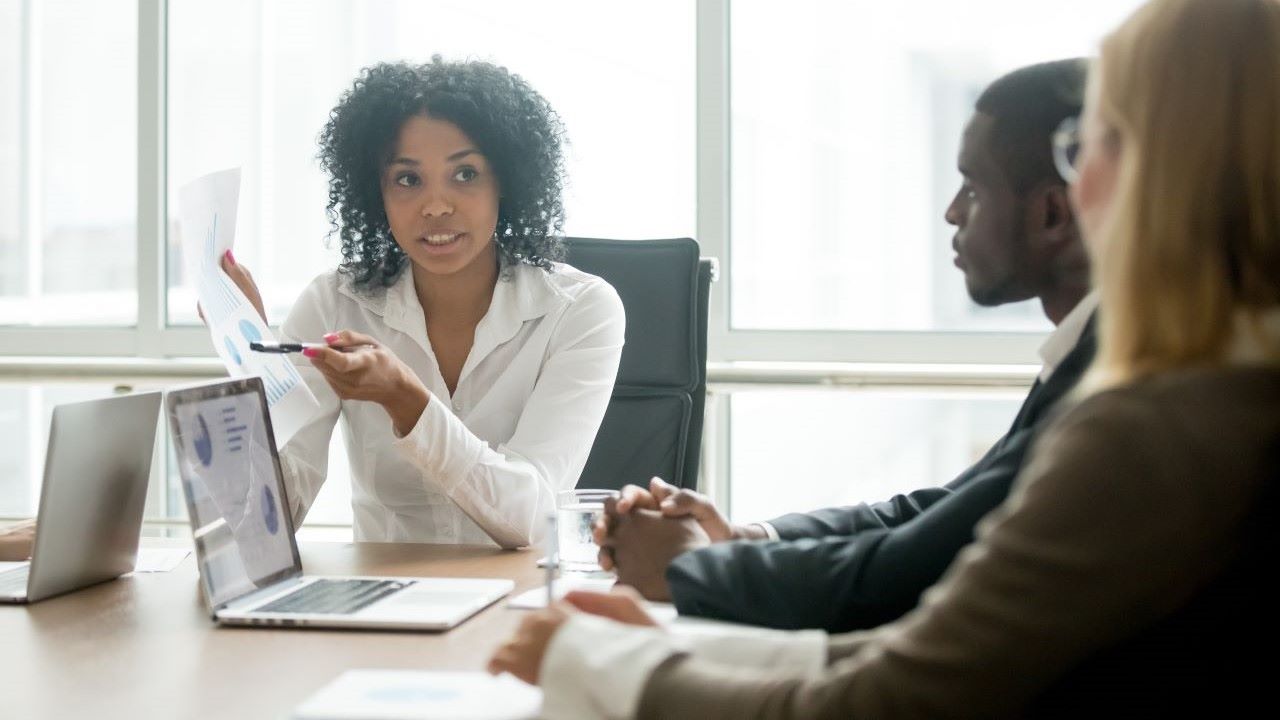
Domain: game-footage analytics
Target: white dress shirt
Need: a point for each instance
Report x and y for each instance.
(483, 464)
(1066, 336)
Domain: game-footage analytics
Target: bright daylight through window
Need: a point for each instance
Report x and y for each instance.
(843, 125)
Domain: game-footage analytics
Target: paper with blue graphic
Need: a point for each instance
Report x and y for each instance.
(207, 211)
(421, 695)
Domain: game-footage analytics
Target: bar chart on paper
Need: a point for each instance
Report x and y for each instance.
(222, 299)
(218, 297)
(277, 373)
(278, 387)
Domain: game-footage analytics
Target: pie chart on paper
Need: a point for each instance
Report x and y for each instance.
(249, 332)
(234, 352)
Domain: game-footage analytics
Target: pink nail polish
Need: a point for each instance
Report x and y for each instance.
(331, 337)
(309, 352)
(230, 257)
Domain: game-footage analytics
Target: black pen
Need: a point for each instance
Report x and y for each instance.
(279, 347)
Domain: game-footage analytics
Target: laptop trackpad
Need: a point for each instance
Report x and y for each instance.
(439, 599)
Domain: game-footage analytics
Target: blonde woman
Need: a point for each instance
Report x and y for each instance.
(1125, 571)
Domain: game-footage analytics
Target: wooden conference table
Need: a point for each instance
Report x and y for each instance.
(143, 646)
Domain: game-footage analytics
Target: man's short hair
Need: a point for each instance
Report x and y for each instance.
(1026, 106)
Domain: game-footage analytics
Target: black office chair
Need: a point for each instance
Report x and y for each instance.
(653, 425)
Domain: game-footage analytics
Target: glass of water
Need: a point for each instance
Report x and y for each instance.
(576, 514)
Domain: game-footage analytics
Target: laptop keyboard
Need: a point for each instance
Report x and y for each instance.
(14, 580)
(333, 597)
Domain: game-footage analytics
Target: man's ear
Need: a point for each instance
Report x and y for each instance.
(1051, 215)
(1058, 217)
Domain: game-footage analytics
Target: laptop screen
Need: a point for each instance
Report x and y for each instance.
(230, 475)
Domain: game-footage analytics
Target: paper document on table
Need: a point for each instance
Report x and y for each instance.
(207, 212)
(410, 695)
(159, 559)
(537, 597)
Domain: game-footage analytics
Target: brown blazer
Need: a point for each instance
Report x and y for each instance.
(1125, 570)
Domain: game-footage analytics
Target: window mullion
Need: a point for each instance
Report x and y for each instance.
(30, 144)
(152, 193)
(712, 67)
(711, 49)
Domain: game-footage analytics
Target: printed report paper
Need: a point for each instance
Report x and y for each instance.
(207, 212)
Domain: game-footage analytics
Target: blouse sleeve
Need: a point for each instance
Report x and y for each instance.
(304, 460)
(508, 489)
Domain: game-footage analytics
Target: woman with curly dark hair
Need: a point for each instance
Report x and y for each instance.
(471, 368)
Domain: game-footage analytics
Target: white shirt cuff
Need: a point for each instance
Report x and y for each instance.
(441, 446)
(769, 530)
(597, 668)
(801, 654)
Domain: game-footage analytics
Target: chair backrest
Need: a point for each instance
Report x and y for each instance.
(653, 425)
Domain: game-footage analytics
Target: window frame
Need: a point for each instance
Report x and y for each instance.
(153, 337)
(737, 357)
(727, 344)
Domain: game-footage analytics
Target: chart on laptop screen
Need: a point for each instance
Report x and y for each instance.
(239, 517)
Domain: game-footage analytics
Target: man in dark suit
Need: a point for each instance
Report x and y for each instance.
(845, 568)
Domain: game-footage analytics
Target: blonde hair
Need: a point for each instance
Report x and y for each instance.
(1191, 88)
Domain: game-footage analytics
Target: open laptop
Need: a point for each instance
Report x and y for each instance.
(250, 569)
(95, 486)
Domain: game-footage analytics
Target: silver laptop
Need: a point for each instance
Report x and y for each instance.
(95, 486)
(249, 565)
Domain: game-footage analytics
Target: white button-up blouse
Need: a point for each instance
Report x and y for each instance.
(482, 465)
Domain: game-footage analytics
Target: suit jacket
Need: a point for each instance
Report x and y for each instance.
(1129, 574)
(854, 567)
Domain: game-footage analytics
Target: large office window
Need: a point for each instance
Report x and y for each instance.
(846, 119)
(68, 128)
(25, 414)
(796, 450)
(11, 121)
(834, 126)
(252, 83)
